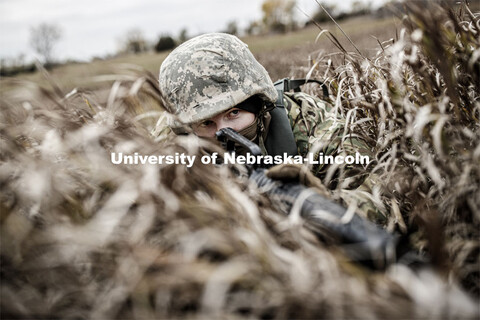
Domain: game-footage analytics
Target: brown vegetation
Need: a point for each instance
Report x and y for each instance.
(83, 238)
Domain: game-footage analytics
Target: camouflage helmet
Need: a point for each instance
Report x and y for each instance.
(210, 74)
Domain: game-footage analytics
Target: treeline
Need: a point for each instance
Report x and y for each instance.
(12, 70)
(278, 16)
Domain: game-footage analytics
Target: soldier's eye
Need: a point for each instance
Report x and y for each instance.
(234, 113)
(206, 123)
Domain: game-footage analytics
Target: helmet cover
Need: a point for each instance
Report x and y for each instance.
(210, 74)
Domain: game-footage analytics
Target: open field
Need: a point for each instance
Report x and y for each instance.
(292, 54)
(283, 55)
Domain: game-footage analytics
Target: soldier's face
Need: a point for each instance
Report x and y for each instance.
(234, 118)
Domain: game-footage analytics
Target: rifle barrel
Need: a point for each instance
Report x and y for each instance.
(362, 240)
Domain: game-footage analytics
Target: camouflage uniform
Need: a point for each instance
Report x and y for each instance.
(316, 127)
(212, 73)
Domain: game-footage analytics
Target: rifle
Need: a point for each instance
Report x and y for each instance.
(360, 239)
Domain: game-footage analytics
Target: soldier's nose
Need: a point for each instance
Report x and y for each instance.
(221, 125)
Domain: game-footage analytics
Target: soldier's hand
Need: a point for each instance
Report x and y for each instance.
(297, 173)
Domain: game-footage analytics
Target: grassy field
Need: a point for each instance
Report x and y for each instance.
(84, 238)
(283, 55)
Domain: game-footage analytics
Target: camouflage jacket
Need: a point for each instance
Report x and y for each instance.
(318, 129)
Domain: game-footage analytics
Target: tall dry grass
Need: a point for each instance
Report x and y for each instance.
(83, 238)
(417, 104)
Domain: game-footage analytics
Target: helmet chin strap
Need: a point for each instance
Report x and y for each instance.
(257, 130)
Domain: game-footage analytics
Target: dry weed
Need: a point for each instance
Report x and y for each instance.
(86, 239)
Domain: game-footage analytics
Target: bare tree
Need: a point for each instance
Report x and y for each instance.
(183, 35)
(43, 39)
(135, 41)
(232, 28)
(278, 15)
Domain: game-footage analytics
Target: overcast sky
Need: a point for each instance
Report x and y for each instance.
(95, 27)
